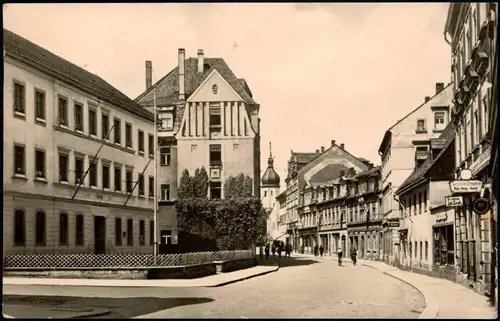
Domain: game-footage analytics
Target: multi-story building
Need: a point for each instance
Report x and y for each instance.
(270, 189)
(207, 118)
(327, 165)
(76, 155)
(427, 232)
(404, 147)
(282, 232)
(471, 32)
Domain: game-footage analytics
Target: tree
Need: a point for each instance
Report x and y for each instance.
(239, 186)
(201, 183)
(185, 189)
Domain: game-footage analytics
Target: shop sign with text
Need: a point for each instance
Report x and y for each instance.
(466, 186)
(454, 201)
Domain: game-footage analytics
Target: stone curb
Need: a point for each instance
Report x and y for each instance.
(78, 315)
(242, 279)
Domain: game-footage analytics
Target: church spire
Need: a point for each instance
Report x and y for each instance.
(270, 178)
(270, 160)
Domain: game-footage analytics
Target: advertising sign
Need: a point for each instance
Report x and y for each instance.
(454, 201)
(466, 186)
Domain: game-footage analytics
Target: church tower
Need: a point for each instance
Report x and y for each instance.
(270, 183)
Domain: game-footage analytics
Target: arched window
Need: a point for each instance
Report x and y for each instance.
(63, 229)
(265, 193)
(41, 228)
(19, 228)
(130, 232)
(79, 236)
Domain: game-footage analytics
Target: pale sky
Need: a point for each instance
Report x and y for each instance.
(319, 71)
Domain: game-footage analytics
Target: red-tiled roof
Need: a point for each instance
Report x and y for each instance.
(49, 63)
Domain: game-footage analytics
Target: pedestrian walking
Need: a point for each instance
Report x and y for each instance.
(289, 248)
(339, 255)
(279, 250)
(353, 253)
(321, 249)
(273, 249)
(267, 251)
(316, 250)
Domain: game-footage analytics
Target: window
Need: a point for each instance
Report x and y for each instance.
(78, 117)
(193, 147)
(265, 193)
(79, 229)
(151, 144)
(426, 250)
(63, 168)
(93, 174)
(117, 131)
(409, 206)
(19, 99)
(444, 245)
(416, 249)
(39, 105)
(419, 203)
(104, 126)
(118, 231)
(141, 184)
(118, 177)
(485, 115)
(421, 125)
(215, 190)
(165, 156)
(165, 192)
(420, 256)
(63, 229)
(476, 128)
(142, 233)
(425, 201)
(130, 232)
(79, 163)
(151, 232)
(166, 237)
(215, 116)
(167, 121)
(439, 120)
(63, 111)
(40, 228)
(128, 135)
(140, 138)
(105, 175)
(39, 163)
(151, 186)
(215, 155)
(19, 228)
(129, 179)
(93, 122)
(19, 160)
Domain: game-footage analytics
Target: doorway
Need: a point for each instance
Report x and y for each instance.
(362, 246)
(99, 234)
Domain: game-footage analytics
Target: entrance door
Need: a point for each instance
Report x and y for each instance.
(99, 234)
(362, 246)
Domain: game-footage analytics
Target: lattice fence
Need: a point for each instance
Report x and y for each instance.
(119, 260)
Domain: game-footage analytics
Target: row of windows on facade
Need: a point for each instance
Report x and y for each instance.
(334, 215)
(440, 122)
(414, 204)
(40, 117)
(215, 119)
(324, 193)
(444, 247)
(80, 170)
(40, 229)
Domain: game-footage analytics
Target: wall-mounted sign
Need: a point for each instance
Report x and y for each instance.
(454, 201)
(466, 186)
(442, 216)
(481, 206)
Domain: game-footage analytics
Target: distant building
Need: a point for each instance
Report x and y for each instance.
(62, 192)
(405, 147)
(270, 189)
(471, 32)
(207, 118)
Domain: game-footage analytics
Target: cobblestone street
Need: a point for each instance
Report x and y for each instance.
(303, 287)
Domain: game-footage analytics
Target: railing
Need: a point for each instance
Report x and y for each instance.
(120, 260)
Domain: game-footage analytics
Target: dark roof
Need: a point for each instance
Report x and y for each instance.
(327, 173)
(448, 135)
(371, 172)
(303, 158)
(166, 86)
(270, 177)
(49, 63)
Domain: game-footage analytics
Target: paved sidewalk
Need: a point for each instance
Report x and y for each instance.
(443, 298)
(208, 281)
(15, 311)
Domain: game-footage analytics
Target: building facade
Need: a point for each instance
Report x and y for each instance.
(404, 147)
(427, 225)
(471, 32)
(207, 118)
(76, 155)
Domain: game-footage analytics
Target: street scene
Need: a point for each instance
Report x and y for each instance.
(250, 160)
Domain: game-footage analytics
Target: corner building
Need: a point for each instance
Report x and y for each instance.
(57, 116)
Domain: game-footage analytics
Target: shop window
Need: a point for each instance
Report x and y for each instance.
(444, 245)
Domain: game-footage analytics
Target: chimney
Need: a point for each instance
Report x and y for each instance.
(439, 87)
(332, 142)
(322, 149)
(427, 98)
(342, 145)
(182, 57)
(342, 173)
(149, 74)
(201, 62)
(317, 151)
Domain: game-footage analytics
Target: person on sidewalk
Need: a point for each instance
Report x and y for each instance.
(353, 253)
(289, 247)
(321, 249)
(279, 250)
(339, 255)
(267, 251)
(273, 249)
(316, 250)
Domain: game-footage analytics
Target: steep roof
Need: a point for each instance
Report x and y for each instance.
(371, 172)
(303, 158)
(166, 86)
(328, 172)
(448, 135)
(49, 63)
